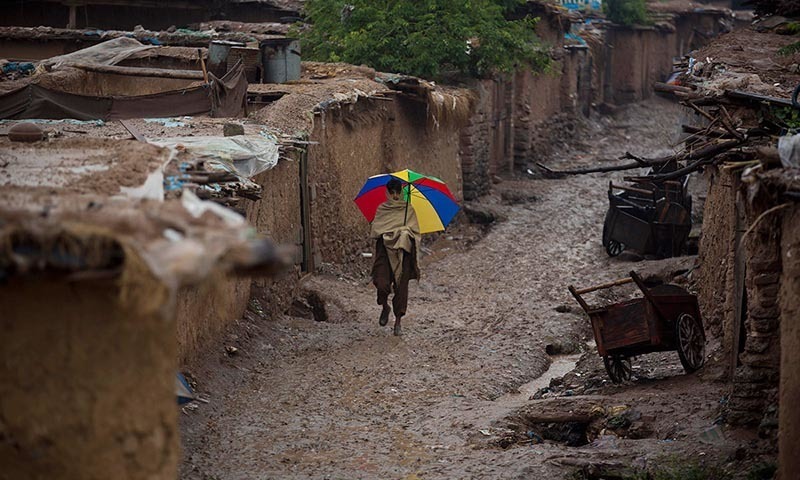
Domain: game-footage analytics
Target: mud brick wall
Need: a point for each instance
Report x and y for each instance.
(87, 379)
(637, 57)
(205, 310)
(789, 431)
(485, 142)
(756, 379)
(715, 276)
(368, 138)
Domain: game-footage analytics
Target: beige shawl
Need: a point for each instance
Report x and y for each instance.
(396, 222)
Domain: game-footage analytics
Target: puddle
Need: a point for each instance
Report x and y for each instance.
(560, 366)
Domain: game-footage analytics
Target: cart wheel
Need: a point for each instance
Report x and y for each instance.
(618, 368)
(614, 248)
(691, 342)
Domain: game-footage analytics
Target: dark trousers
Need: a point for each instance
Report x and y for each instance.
(383, 279)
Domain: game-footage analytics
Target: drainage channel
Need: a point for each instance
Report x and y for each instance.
(559, 366)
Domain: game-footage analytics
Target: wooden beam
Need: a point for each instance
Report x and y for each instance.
(140, 72)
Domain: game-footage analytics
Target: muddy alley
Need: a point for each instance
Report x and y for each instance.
(343, 398)
(602, 196)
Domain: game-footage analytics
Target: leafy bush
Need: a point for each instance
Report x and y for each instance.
(425, 38)
(626, 12)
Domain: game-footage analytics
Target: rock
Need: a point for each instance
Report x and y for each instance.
(480, 214)
(25, 132)
(232, 129)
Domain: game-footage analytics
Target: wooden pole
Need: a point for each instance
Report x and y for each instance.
(141, 72)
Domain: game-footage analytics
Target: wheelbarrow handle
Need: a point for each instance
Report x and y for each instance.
(648, 296)
(603, 286)
(630, 189)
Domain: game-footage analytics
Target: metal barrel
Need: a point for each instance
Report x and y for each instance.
(280, 58)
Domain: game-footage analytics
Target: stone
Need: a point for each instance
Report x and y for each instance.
(746, 374)
(764, 325)
(766, 278)
(232, 129)
(771, 311)
(765, 266)
(25, 132)
(758, 344)
(768, 291)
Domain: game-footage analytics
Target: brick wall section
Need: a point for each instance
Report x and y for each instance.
(789, 433)
(476, 141)
(756, 379)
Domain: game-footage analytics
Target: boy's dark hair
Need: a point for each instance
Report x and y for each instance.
(394, 186)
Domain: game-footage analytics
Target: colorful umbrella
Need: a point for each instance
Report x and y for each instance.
(432, 201)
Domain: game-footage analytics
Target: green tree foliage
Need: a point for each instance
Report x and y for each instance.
(426, 38)
(626, 12)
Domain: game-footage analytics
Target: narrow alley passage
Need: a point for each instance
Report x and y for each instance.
(309, 399)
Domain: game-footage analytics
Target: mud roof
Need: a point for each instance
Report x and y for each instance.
(327, 87)
(747, 60)
(85, 206)
(180, 37)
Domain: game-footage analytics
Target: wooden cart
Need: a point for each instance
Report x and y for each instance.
(666, 318)
(651, 219)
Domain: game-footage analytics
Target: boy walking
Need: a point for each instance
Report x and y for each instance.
(396, 233)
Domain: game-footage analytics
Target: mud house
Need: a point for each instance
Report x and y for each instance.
(91, 264)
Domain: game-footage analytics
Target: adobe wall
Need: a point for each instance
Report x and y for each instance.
(636, 57)
(753, 339)
(715, 275)
(789, 430)
(87, 381)
(486, 142)
(756, 379)
(368, 138)
(206, 310)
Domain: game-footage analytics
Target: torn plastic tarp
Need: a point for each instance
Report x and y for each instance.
(107, 53)
(248, 155)
(220, 97)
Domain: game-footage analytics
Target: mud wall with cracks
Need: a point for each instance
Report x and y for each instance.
(363, 139)
(86, 380)
(789, 430)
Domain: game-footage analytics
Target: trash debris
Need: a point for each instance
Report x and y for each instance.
(713, 435)
(789, 150)
(231, 350)
(167, 122)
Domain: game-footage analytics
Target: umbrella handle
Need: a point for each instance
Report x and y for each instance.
(408, 200)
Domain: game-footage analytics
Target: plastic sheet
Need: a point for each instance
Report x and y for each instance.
(789, 150)
(247, 155)
(107, 53)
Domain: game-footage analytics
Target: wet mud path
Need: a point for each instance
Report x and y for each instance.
(346, 399)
